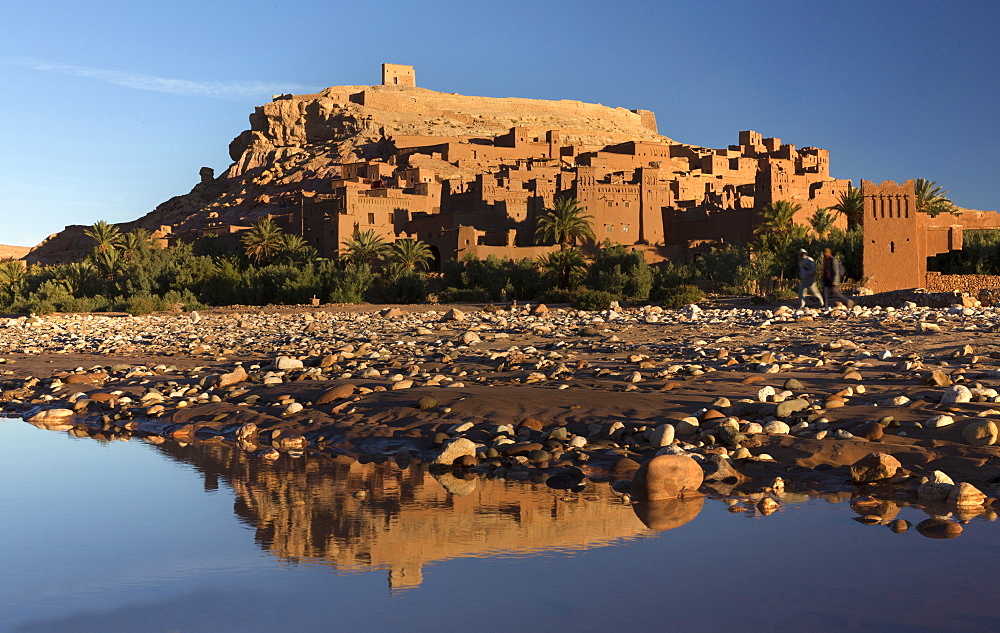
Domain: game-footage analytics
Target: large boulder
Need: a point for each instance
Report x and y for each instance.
(980, 433)
(455, 449)
(874, 467)
(666, 477)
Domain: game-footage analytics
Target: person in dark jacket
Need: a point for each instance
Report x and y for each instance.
(833, 273)
(807, 278)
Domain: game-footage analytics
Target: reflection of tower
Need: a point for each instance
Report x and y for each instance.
(305, 509)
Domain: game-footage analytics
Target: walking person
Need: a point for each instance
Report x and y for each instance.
(807, 279)
(833, 273)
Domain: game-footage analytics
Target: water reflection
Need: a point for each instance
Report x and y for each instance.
(309, 511)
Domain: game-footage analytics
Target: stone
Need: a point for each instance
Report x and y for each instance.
(874, 467)
(454, 314)
(236, 376)
(788, 407)
(533, 424)
(939, 421)
(980, 433)
(869, 430)
(687, 426)
(719, 468)
(937, 378)
(776, 427)
(455, 449)
(666, 477)
(765, 393)
(624, 466)
(937, 487)
(470, 338)
(392, 313)
(899, 526)
(345, 390)
(956, 394)
(285, 363)
(939, 528)
(965, 494)
(793, 384)
(662, 435)
(92, 378)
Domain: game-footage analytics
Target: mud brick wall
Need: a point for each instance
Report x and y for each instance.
(936, 282)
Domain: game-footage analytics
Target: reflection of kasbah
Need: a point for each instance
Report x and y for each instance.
(305, 509)
(898, 240)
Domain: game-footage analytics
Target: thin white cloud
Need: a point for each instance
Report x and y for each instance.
(141, 81)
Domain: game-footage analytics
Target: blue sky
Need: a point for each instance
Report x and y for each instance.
(110, 108)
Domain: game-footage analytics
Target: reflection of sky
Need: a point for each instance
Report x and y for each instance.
(116, 538)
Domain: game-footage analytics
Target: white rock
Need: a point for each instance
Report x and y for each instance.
(776, 427)
(662, 435)
(765, 393)
(939, 421)
(284, 362)
(956, 393)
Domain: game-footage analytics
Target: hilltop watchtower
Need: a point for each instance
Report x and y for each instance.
(398, 75)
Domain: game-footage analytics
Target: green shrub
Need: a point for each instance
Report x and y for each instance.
(405, 287)
(587, 299)
(349, 284)
(463, 295)
(621, 272)
(558, 295)
(140, 304)
(680, 296)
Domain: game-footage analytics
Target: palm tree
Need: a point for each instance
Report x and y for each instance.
(107, 236)
(134, 242)
(109, 262)
(12, 274)
(851, 204)
(263, 240)
(565, 264)
(365, 247)
(778, 228)
(564, 224)
(295, 249)
(822, 222)
(411, 253)
(931, 198)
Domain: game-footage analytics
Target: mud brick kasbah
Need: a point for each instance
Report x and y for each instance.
(472, 175)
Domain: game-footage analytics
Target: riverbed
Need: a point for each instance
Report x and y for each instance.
(131, 536)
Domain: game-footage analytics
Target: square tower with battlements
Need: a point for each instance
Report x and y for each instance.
(398, 75)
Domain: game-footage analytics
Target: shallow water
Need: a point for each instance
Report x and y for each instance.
(134, 537)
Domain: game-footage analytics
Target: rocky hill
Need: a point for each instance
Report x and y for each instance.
(298, 142)
(13, 252)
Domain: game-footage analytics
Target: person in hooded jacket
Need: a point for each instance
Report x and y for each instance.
(807, 279)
